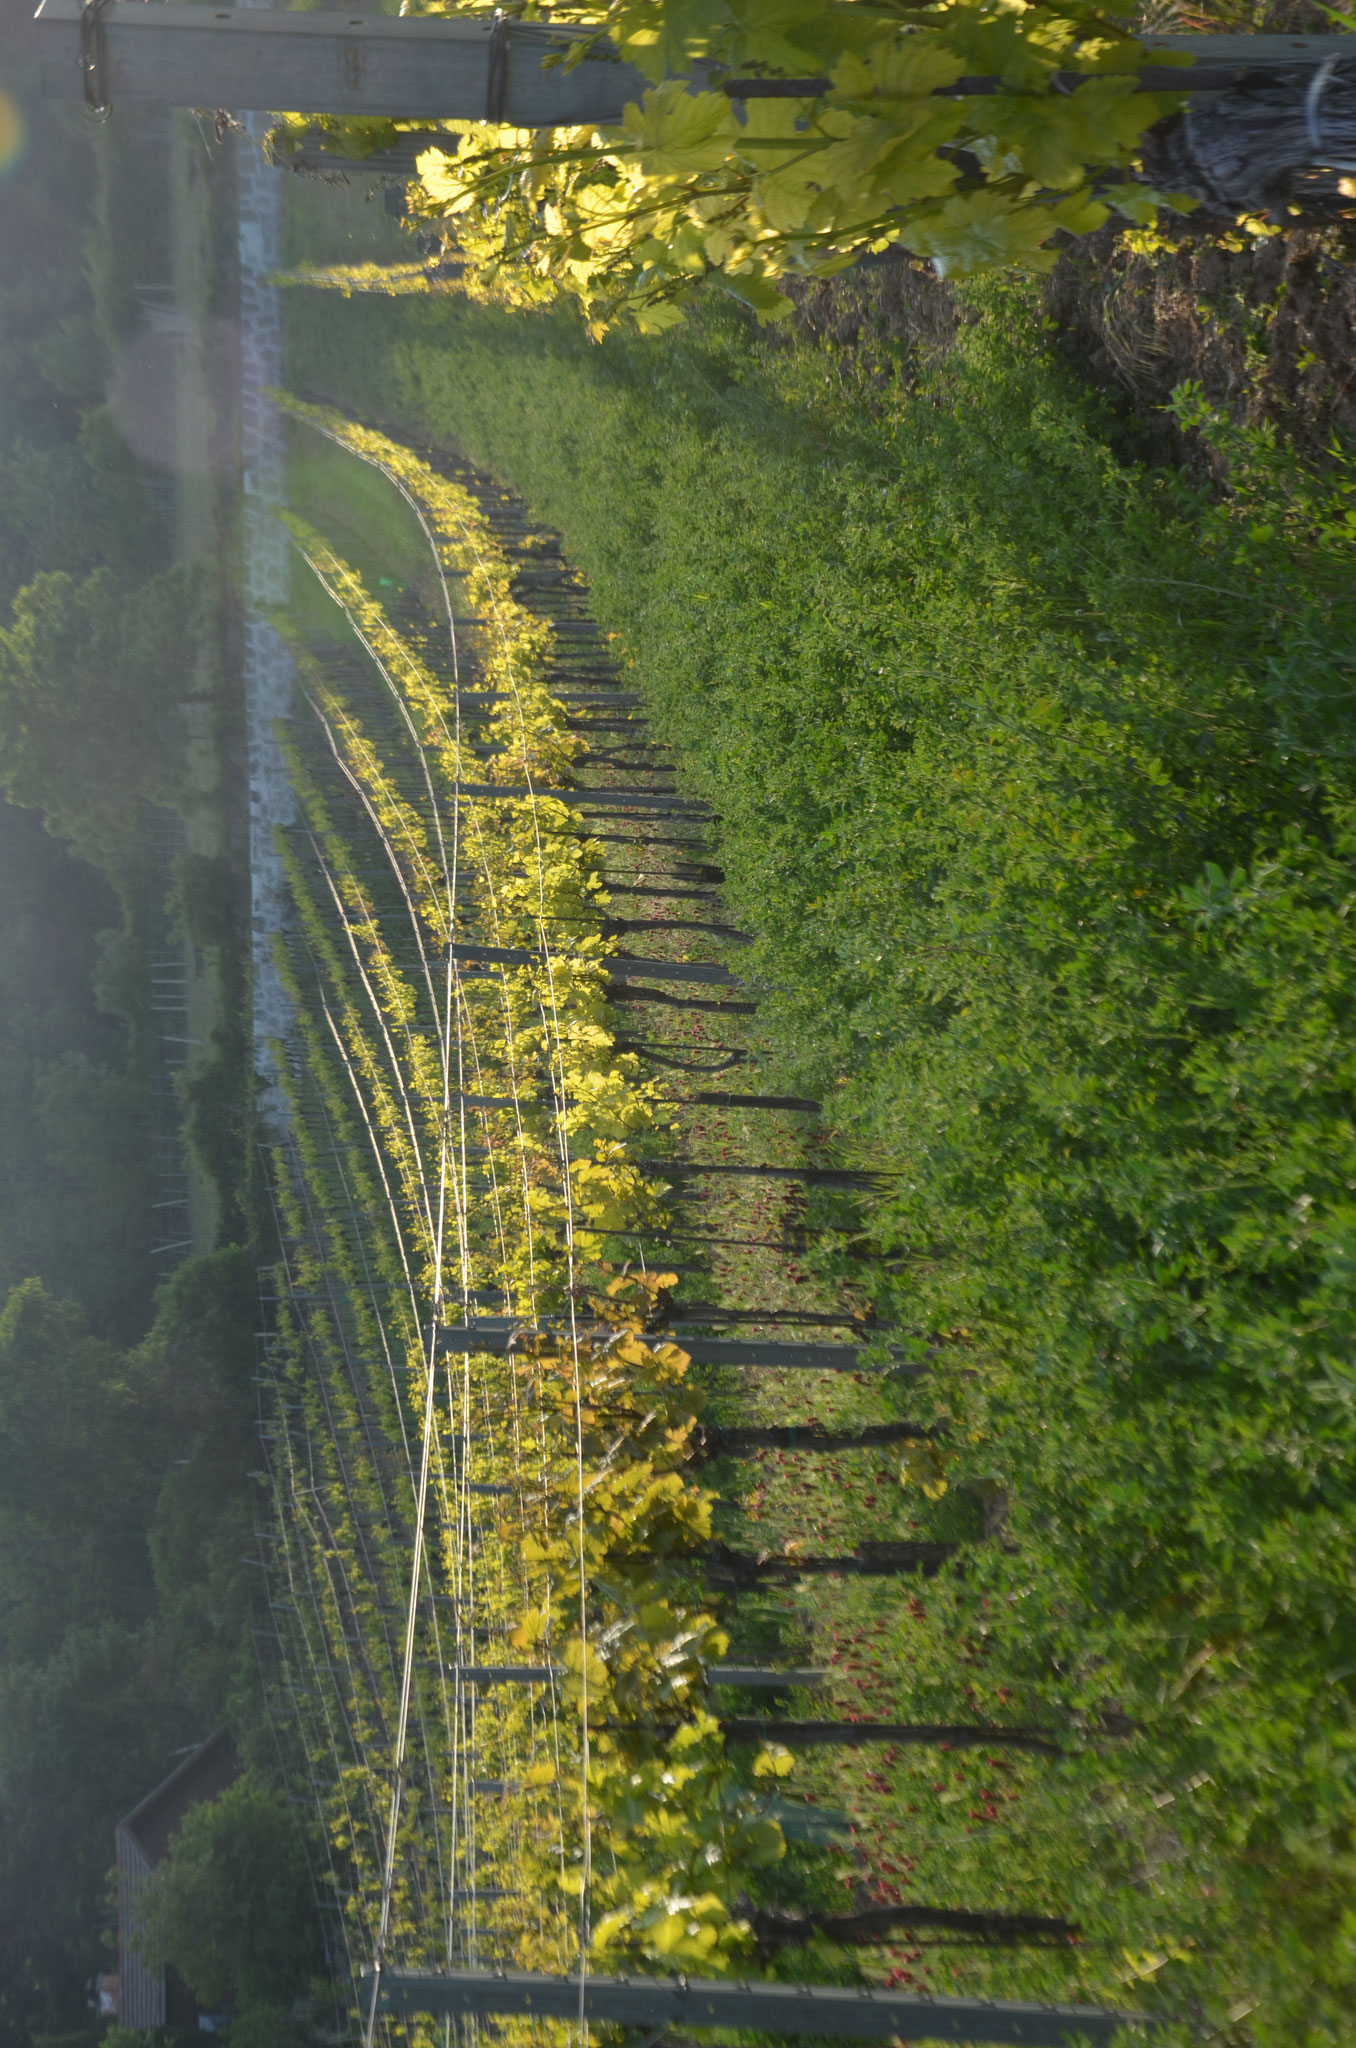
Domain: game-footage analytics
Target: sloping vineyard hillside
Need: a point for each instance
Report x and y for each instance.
(540, 1288)
(1030, 773)
(481, 1558)
(462, 1139)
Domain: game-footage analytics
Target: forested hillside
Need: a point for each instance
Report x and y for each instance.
(121, 1435)
(82, 550)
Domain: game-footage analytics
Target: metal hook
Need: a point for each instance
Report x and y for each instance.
(94, 59)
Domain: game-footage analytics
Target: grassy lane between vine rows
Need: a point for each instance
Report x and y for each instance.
(538, 1503)
(717, 1911)
(1033, 770)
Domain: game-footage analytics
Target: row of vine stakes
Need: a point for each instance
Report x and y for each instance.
(469, 1580)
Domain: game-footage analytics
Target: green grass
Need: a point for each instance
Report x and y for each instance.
(379, 534)
(1034, 776)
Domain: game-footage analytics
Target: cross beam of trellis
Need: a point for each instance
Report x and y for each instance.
(764, 2008)
(373, 64)
(442, 67)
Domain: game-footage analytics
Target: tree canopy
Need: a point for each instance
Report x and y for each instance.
(232, 1907)
(124, 1623)
(90, 675)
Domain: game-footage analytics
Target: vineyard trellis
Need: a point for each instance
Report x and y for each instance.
(493, 1581)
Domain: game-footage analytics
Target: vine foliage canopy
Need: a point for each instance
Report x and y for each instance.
(952, 129)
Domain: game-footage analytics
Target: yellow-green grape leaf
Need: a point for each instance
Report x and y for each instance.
(908, 70)
(789, 36)
(871, 155)
(444, 180)
(978, 231)
(1081, 213)
(679, 132)
(774, 129)
(1141, 203)
(760, 293)
(659, 36)
(1055, 138)
(922, 1464)
(774, 1761)
(1007, 45)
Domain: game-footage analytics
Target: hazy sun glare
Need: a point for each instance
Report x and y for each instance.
(11, 132)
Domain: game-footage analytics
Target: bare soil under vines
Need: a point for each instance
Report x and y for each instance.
(1268, 330)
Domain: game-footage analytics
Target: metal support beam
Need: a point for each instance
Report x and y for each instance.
(762, 2008)
(440, 67)
(399, 66)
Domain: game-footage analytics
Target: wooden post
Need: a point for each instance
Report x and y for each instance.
(760, 2008)
(760, 1677)
(498, 1337)
(756, 1675)
(812, 1176)
(722, 1098)
(863, 1734)
(581, 799)
(618, 963)
(504, 1674)
(740, 1571)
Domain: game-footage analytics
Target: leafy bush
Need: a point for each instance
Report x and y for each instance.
(83, 1734)
(204, 899)
(128, 2037)
(232, 1906)
(267, 2026)
(79, 1475)
(72, 1216)
(90, 674)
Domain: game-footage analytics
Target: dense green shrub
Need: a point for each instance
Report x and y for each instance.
(83, 1734)
(217, 1090)
(268, 2026)
(124, 1622)
(128, 242)
(201, 1354)
(74, 1202)
(76, 503)
(91, 674)
(97, 1689)
(232, 1905)
(203, 899)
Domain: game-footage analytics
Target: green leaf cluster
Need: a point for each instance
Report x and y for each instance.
(231, 1906)
(90, 675)
(887, 146)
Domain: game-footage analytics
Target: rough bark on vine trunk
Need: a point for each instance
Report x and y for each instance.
(1246, 150)
(776, 1928)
